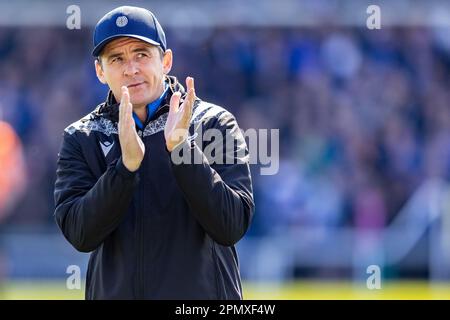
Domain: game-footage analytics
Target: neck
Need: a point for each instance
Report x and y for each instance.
(141, 109)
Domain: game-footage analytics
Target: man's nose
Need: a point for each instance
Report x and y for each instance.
(131, 68)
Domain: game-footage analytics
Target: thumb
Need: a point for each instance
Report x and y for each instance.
(175, 102)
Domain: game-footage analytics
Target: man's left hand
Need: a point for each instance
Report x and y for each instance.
(179, 118)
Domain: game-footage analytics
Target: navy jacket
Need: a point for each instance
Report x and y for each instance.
(166, 231)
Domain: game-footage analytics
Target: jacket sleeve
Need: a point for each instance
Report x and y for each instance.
(219, 195)
(87, 209)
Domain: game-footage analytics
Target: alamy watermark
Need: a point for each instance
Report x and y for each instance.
(73, 21)
(374, 19)
(73, 281)
(232, 146)
(373, 282)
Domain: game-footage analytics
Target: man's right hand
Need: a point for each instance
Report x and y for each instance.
(133, 148)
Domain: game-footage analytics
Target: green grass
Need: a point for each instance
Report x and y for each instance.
(44, 290)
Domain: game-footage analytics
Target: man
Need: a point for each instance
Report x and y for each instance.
(158, 228)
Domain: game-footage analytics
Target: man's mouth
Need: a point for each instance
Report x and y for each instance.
(134, 85)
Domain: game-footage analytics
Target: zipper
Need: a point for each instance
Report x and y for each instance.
(137, 239)
(140, 253)
(140, 244)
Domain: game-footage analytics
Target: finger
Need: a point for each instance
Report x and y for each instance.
(188, 104)
(187, 107)
(125, 95)
(129, 121)
(190, 96)
(191, 89)
(189, 83)
(175, 102)
(127, 107)
(124, 100)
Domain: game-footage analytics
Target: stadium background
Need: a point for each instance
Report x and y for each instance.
(364, 119)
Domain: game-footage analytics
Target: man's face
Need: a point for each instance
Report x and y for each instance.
(136, 64)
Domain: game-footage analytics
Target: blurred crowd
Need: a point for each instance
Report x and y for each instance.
(364, 115)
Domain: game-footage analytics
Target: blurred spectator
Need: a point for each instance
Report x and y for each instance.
(12, 169)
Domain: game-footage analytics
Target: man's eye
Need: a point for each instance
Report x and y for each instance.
(142, 55)
(116, 60)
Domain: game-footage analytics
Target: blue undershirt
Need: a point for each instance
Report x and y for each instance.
(151, 108)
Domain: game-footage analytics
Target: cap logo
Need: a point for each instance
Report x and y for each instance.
(121, 21)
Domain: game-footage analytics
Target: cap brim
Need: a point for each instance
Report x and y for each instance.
(98, 48)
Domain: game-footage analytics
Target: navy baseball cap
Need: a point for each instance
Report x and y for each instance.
(131, 22)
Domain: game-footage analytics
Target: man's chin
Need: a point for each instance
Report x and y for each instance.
(138, 105)
(140, 102)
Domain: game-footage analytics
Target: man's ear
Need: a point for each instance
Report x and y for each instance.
(99, 71)
(167, 61)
